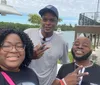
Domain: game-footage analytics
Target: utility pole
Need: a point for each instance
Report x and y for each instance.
(98, 6)
(96, 13)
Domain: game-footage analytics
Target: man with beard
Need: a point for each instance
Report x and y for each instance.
(81, 52)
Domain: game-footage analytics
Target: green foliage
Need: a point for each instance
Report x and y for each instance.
(58, 62)
(70, 56)
(34, 19)
(59, 20)
(17, 26)
(65, 27)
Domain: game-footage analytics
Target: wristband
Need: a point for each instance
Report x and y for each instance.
(61, 82)
(64, 81)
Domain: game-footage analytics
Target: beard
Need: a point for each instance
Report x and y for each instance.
(82, 58)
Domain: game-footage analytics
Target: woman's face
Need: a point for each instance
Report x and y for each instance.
(12, 53)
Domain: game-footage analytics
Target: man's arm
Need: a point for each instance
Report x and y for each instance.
(56, 82)
(64, 58)
(72, 78)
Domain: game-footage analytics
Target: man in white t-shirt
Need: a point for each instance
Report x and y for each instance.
(46, 66)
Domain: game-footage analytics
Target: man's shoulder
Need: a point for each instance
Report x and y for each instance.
(56, 35)
(64, 70)
(29, 30)
(96, 66)
(59, 38)
(66, 66)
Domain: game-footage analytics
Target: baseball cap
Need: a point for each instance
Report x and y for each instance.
(49, 8)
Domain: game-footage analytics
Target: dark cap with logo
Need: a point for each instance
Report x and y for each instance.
(51, 9)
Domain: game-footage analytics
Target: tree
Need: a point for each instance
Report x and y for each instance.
(34, 19)
(59, 20)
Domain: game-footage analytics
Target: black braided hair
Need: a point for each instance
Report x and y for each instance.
(25, 40)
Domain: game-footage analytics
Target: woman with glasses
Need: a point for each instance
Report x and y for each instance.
(16, 53)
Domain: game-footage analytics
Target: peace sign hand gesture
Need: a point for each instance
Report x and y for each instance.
(74, 77)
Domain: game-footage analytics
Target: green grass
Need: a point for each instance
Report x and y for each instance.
(70, 57)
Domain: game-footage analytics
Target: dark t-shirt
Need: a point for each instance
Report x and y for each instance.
(24, 77)
(92, 79)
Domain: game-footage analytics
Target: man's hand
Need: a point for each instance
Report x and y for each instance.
(39, 50)
(74, 78)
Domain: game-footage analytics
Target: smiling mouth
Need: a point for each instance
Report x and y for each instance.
(78, 52)
(47, 28)
(13, 58)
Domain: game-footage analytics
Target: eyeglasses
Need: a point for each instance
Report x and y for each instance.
(7, 47)
(51, 20)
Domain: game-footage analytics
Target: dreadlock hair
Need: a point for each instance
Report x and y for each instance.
(25, 40)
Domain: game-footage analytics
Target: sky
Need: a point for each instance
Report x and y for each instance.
(69, 10)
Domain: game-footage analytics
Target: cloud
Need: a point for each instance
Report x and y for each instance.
(66, 8)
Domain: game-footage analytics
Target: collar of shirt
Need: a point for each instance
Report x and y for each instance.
(85, 66)
(41, 36)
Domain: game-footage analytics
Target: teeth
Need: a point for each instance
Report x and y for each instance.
(79, 52)
(12, 56)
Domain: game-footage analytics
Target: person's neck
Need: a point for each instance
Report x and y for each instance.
(46, 35)
(10, 69)
(85, 63)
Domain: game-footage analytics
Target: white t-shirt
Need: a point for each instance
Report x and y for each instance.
(46, 66)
